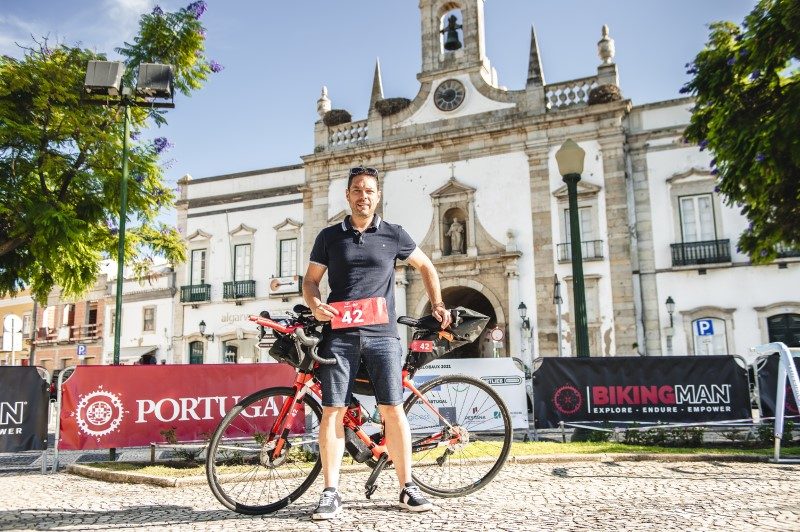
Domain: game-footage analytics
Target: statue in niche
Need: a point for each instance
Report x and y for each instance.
(456, 234)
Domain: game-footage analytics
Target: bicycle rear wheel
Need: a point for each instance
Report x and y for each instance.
(240, 468)
(454, 460)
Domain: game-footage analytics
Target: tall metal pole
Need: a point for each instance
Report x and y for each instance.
(123, 208)
(579, 295)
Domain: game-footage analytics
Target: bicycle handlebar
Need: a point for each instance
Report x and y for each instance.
(300, 333)
(312, 341)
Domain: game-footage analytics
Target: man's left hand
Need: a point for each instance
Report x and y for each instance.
(443, 315)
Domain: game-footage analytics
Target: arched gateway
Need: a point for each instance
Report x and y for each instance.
(479, 299)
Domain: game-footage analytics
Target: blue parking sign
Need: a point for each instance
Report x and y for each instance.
(81, 350)
(704, 327)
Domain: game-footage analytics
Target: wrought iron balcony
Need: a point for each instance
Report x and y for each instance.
(239, 290)
(195, 293)
(785, 252)
(704, 252)
(590, 250)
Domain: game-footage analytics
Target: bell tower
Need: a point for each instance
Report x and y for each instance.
(452, 38)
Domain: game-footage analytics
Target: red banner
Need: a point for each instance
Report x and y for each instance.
(128, 406)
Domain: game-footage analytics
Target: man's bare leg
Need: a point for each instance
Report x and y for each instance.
(331, 443)
(398, 438)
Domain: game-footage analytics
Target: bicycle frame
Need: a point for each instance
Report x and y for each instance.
(304, 383)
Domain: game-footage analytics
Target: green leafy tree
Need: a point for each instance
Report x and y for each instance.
(60, 160)
(746, 85)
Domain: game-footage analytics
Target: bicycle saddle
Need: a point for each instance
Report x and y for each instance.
(428, 322)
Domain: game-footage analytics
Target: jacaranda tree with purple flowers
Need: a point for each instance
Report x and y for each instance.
(746, 85)
(60, 160)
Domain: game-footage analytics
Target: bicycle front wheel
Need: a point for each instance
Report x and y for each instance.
(460, 432)
(241, 464)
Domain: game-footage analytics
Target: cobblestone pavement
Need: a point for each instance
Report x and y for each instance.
(560, 496)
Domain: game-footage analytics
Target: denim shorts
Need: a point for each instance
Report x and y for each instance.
(380, 354)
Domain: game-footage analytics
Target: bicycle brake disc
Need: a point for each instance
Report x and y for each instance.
(265, 456)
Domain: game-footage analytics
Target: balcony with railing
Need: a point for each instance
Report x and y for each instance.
(239, 290)
(348, 134)
(195, 293)
(590, 250)
(704, 252)
(787, 252)
(569, 93)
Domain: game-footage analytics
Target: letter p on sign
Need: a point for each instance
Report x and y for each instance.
(704, 327)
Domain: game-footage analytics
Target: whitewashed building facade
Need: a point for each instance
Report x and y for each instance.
(467, 150)
(147, 315)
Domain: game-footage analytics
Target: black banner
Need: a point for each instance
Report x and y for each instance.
(641, 389)
(24, 401)
(768, 387)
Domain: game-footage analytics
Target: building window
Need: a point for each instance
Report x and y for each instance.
(784, 328)
(26, 324)
(288, 254)
(697, 218)
(114, 321)
(196, 349)
(149, 319)
(709, 336)
(197, 272)
(241, 262)
(584, 224)
(231, 354)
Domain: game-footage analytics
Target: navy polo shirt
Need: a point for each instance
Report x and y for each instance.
(361, 265)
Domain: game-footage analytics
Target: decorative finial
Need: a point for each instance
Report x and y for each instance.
(535, 75)
(324, 103)
(605, 47)
(377, 86)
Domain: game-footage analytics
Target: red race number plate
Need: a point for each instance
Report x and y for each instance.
(422, 346)
(360, 313)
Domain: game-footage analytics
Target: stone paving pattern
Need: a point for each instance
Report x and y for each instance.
(579, 495)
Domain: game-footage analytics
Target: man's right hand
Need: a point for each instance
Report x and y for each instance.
(323, 312)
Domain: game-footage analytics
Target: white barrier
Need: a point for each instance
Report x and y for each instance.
(786, 369)
(501, 373)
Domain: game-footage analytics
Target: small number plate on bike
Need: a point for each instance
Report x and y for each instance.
(422, 346)
(360, 313)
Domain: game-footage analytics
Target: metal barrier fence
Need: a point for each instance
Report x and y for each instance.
(24, 411)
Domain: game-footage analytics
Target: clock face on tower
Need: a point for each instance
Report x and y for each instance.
(449, 95)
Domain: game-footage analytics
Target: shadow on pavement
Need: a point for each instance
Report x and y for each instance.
(148, 515)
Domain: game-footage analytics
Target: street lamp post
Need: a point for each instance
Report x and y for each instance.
(103, 86)
(570, 165)
(558, 300)
(670, 310)
(202, 328)
(526, 333)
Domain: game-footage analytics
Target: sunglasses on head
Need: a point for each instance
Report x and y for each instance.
(363, 170)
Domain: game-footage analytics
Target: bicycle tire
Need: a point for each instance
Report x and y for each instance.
(475, 410)
(235, 470)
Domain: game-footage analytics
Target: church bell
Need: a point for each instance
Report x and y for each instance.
(451, 42)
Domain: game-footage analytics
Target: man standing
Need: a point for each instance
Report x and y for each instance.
(359, 255)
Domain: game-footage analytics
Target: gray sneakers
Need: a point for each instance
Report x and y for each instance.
(412, 499)
(330, 504)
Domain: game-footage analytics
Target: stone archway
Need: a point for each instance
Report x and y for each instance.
(472, 295)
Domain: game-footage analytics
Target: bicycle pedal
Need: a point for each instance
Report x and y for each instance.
(370, 490)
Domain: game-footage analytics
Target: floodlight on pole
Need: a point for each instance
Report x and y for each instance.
(103, 86)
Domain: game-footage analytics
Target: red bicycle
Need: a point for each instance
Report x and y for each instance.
(264, 453)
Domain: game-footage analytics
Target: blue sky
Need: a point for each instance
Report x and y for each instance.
(260, 111)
